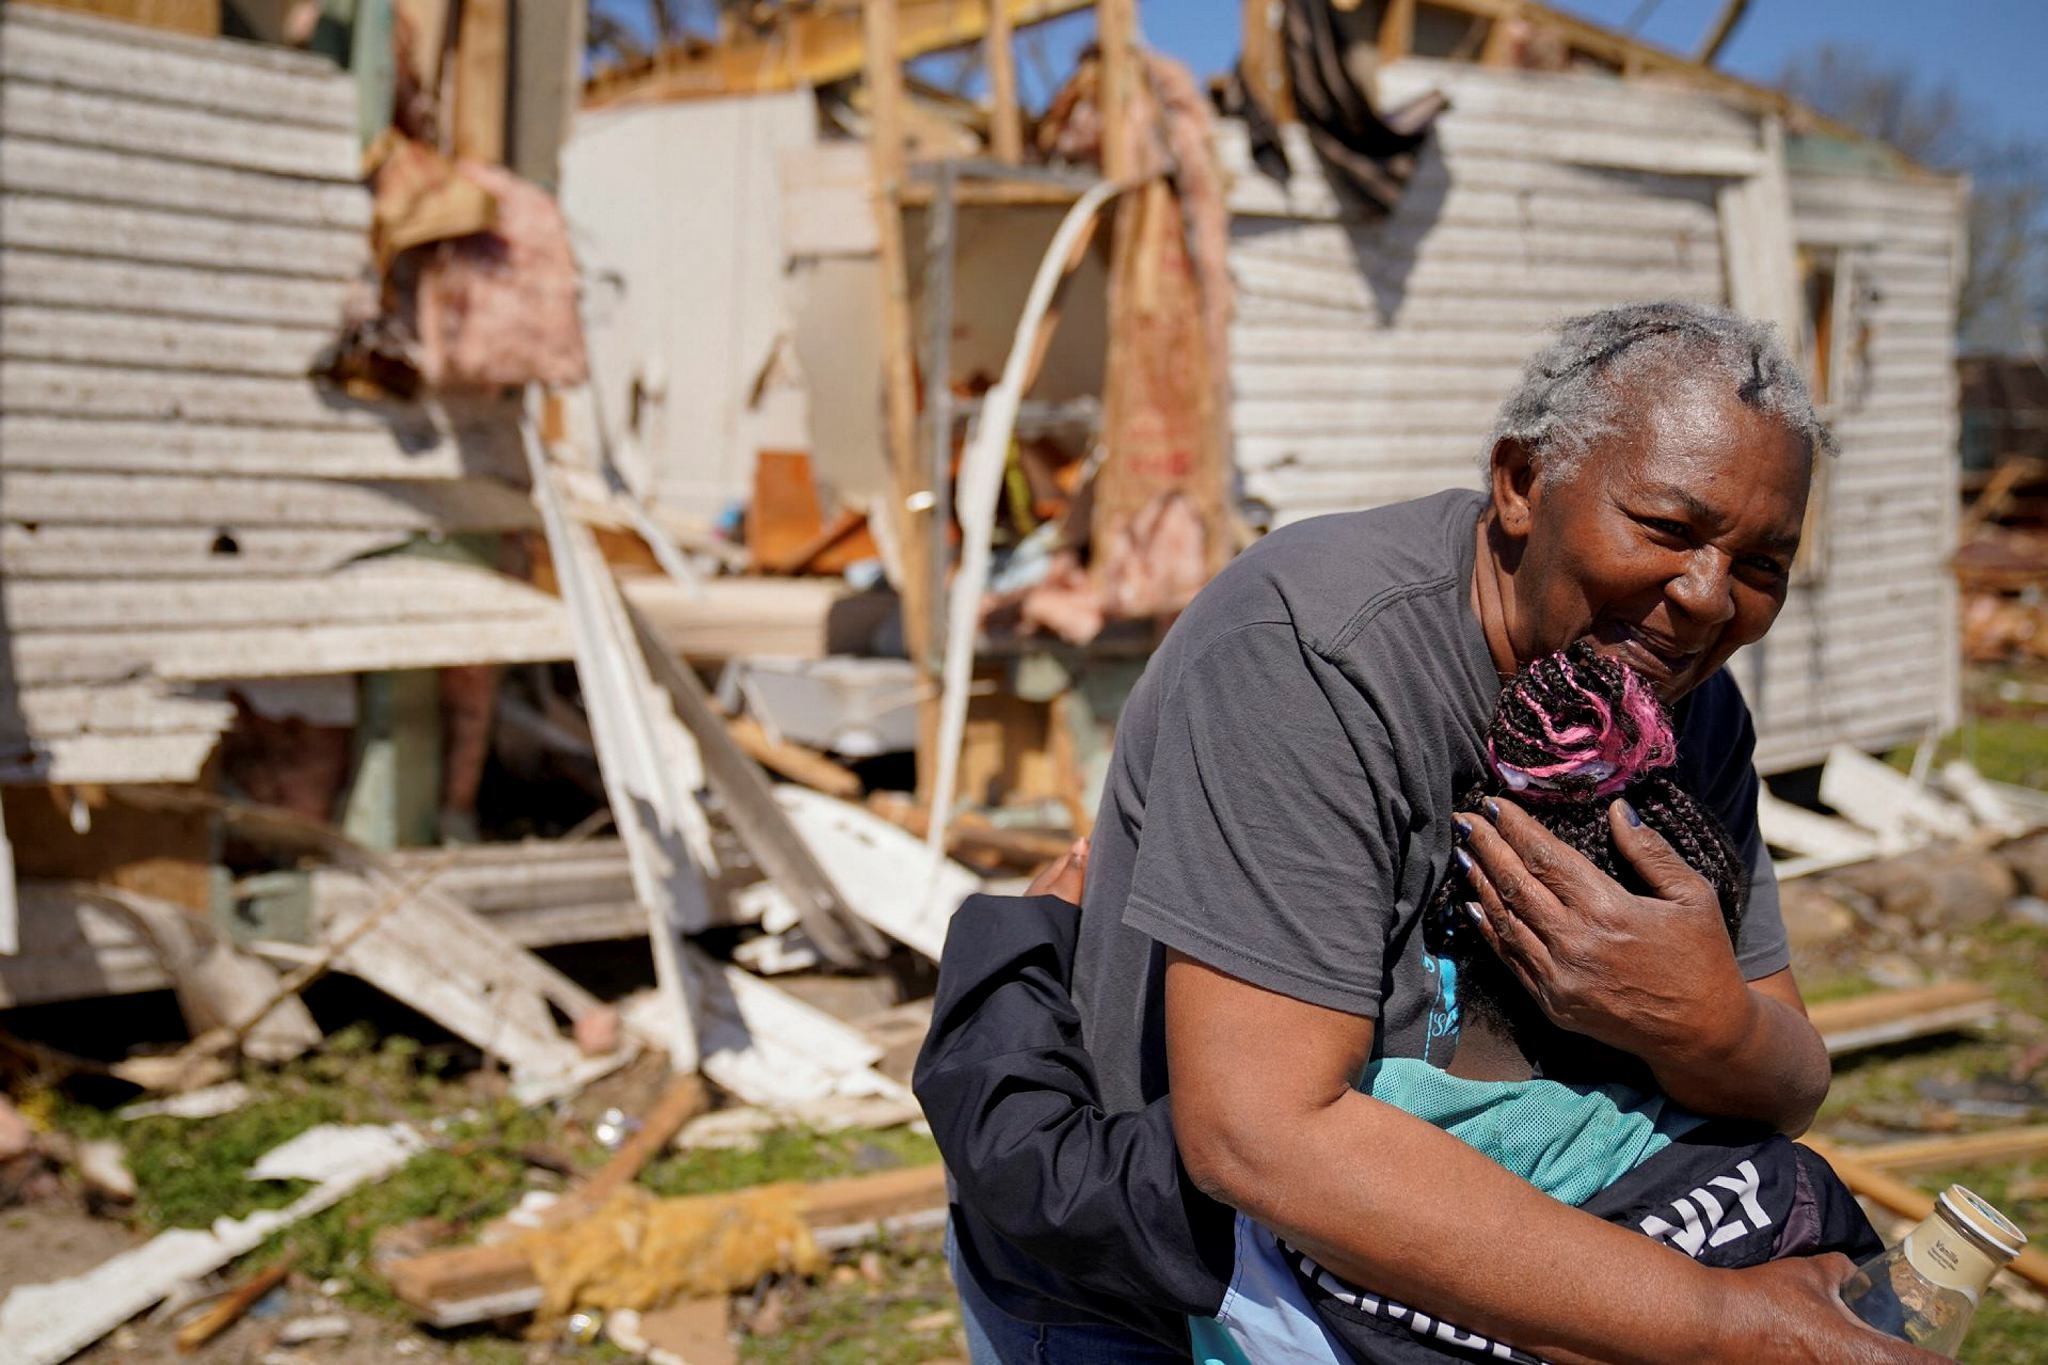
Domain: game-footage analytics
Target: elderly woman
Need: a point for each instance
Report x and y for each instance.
(1279, 813)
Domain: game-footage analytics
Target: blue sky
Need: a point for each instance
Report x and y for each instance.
(1994, 52)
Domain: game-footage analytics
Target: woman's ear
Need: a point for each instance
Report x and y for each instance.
(1514, 476)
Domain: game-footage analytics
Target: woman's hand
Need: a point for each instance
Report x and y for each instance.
(1064, 876)
(1653, 976)
(1792, 1310)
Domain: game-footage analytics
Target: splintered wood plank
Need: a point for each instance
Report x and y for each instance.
(1948, 1152)
(1895, 1016)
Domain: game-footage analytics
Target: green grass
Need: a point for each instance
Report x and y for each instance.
(2003, 748)
(789, 1154)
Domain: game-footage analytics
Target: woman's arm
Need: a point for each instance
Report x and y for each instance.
(1268, 1120)
(1653, 976)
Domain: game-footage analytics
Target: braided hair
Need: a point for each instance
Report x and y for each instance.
(1571, 732)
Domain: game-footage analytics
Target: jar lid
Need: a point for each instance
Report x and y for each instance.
(1969, 1212)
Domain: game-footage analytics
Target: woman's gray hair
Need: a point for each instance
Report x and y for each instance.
(1573, 389)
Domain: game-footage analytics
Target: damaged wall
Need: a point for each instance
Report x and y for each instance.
(180, 222)
(674, 212)
(1369, 359)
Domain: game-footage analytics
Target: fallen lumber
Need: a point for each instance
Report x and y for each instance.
(775, 845)
(1897, 1016)
(1890, 1192)
(685, 1098)
(971, 835)
(229, 1308)
(796, 762)
(1952, 1150)
(41, 1324)
(464, 1285)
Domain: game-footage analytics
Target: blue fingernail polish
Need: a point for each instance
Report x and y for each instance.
(1464, 861)
(1474, 913)
(1492, 810)
(1628, 813)
(1463, 827)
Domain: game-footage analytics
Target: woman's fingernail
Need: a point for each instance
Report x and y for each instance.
(1464, 861)
(1492, 809)
(1475, 914)
(1463, 827)
(1628, 813)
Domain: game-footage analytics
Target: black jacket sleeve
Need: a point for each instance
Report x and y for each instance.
(1063, 1211)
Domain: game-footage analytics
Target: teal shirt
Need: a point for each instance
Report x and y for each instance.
(1570, 1142)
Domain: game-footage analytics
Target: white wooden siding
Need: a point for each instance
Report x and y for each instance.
(180, 222)
(1368, 360)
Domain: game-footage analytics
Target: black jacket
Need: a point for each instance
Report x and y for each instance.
(1067, 1214)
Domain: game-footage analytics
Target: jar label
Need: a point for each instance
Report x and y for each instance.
(1949, 1259)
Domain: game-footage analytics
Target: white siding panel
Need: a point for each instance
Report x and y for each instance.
(52, 497)
(181, 221)
(419, 443)
(227, 78)
(31, 109)
(34, 165)
(46, 277)
(39, 551)
(76, 336)
(81, 227)
(402, 589)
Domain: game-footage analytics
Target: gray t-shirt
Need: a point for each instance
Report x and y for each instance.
(1279, 804)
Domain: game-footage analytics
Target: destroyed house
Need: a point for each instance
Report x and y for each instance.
(205, 548)
(1572, 169)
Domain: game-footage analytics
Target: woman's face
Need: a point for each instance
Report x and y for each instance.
(1669, 544)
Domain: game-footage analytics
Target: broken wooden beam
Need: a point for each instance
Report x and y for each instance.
(973, 836)
(463, 1285)
(796, 762)
(1897, 1016)
(1952, 1150)
(229, 1308)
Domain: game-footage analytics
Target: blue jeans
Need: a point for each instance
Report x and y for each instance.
(996, 1338)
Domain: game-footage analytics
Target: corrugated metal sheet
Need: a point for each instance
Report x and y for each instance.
(1368, 360)
(180, 220)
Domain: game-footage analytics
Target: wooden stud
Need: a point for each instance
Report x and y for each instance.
(810, 46)
(482, 67)
(909, 508)
(1116, 35)
(1265, 59)
(1006, 118)
(1397, 31)
(1894, 1016)
(1953, 1150)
